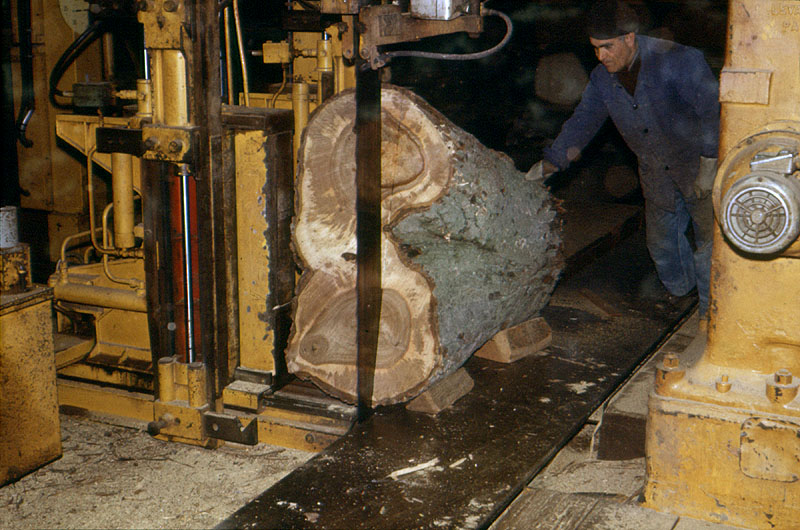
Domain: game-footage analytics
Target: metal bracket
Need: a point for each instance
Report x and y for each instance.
(230, 428)
(119, 140)
(163, 21)
(388, 24)
(169, 144)
(340, 7)
(783, 162)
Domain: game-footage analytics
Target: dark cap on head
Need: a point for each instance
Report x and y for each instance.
(611, 18)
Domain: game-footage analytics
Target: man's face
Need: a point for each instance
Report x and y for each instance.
(616, 54)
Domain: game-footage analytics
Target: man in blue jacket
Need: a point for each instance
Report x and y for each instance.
(663, 99)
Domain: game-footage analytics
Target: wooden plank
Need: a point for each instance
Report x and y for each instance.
(516, 342)
(443, 394)
(621, 434)
(546, 510)
(608, 515)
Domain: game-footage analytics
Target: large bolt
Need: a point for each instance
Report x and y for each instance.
(783, 377)
(781, 389)
(668, 373)
(671, 361)
(151, 143)
(170, 6)
(175, 146)
(723, 385)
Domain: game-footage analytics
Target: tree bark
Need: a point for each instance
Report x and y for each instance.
(469, 247)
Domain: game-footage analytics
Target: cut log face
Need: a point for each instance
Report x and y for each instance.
(468, 247)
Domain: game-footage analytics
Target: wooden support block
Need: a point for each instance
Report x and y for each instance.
(514, 343)
(443, 394)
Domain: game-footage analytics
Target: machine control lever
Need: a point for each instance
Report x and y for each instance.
(782, 162)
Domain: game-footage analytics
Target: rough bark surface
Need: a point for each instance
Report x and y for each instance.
(469, 247)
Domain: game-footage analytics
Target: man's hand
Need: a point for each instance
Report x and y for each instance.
(705, 177)
(540, 170)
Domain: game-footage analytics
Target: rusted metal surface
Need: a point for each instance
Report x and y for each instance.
(30, 436)
(388, 24)
(473, 458)
(15, 269)
(214, 267)
(263, 210)
(157, 262)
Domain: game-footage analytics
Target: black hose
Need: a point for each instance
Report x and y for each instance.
(308, 6)
(458, 56)
(27, 101)
(95, 30)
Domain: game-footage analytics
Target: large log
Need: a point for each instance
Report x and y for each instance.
(469, 247)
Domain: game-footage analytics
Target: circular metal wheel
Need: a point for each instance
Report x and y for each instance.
(761, 212)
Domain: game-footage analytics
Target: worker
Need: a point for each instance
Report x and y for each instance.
(663, 99)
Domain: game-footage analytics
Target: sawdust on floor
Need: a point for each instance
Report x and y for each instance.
(119, 477)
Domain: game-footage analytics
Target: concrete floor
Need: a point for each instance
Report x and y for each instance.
(119, 477)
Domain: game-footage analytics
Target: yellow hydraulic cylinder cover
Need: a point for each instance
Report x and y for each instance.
(30, 432)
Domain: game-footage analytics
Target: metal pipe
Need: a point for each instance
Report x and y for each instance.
(174, 87)
(187, 260)
(131, 282)
(228, 61)
(108, 55)
(144, 100)
(157, 86)
(101, 296)
(325, 80)
(300, 106)
(245, 83)
(196, 382)
(67, 241)
(122, 193)
(166, 379)
(90, 191)
(274, 100)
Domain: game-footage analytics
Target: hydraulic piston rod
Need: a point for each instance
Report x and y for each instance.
(187, 260)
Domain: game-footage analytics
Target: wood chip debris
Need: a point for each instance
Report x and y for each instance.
(413, 469)
(457, 463)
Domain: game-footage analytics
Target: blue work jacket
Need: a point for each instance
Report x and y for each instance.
(669, 123)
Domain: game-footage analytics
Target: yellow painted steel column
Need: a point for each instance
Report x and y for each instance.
(166, 379)
(170, 106)
(122, 188)
(198, 389)
(144, 101)
(723, 433)
(256, 339)
(300, 107)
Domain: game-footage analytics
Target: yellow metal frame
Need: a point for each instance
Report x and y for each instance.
(723, 433)
(113, 374)
(31, 434)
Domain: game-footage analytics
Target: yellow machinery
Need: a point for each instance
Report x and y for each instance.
(723, 436)
(173, 299)
(210, 187)
(29, 424)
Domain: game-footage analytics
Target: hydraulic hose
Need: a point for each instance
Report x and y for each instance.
(239, 39)
(458, 56)
(27, 103)
(95, 30)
